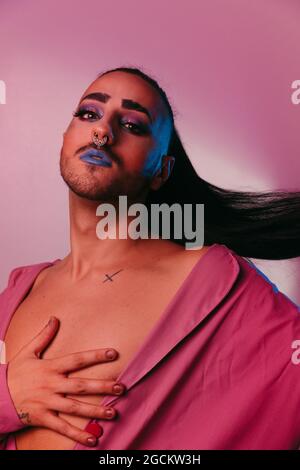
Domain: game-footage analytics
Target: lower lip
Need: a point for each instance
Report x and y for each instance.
(94, 161)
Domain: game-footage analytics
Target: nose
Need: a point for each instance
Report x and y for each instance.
(99, 141)
(102, 134)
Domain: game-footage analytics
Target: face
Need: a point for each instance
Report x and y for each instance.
(132, 114)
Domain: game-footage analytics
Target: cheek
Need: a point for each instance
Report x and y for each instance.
(151, 163)
(141, 155)
(76, 135)
(135, 153)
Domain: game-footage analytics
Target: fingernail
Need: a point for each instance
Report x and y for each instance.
(91, 441)
(111, 354)
(94, 429)
(118, 388)
(109, 413)
(51, 321)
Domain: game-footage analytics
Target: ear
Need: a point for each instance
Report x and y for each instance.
(163, 173)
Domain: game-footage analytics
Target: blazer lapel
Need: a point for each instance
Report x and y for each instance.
(206, 286)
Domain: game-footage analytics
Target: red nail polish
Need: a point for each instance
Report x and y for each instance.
(94, 429)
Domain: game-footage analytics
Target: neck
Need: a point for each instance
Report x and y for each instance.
(88, 252)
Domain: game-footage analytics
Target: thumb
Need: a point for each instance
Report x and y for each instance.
(39, 343)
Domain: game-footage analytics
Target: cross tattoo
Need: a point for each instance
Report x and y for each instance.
(109, 278)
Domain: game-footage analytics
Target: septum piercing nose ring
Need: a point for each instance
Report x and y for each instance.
(99, 142)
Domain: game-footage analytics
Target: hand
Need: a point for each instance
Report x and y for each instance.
(37, 386)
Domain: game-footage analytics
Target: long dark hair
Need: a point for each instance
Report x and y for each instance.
(263, 225)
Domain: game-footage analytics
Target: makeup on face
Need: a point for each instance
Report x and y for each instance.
(96, 157)
(126, 103)
(136, 126)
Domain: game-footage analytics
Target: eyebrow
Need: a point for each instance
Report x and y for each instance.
(126, 103)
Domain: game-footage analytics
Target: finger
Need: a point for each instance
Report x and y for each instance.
(66, 429)
(78, 386)
(82, 359)
(86, 410)
(39, 343)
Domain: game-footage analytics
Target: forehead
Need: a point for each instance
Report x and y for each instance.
(122, 85)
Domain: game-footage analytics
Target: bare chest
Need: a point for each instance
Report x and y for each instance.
(118, 314)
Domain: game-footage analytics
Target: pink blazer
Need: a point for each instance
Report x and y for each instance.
(215, 371)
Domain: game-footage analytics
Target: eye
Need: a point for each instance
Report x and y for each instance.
(85, 114)
(133, 127)
(82, 112)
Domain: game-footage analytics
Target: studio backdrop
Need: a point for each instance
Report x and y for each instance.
(230, 68)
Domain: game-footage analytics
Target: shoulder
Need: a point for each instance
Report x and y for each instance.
(177, 258)
(251, 289)
(17, 273)
(262, 296)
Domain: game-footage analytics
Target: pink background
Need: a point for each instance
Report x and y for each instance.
(227, 66)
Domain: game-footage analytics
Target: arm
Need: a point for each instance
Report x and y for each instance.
(9, 419)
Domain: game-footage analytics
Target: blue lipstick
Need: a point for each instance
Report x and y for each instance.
(96, 157)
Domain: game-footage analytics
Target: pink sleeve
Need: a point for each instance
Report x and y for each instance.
(9, 419)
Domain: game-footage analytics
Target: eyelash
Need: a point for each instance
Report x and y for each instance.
(80, 113)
